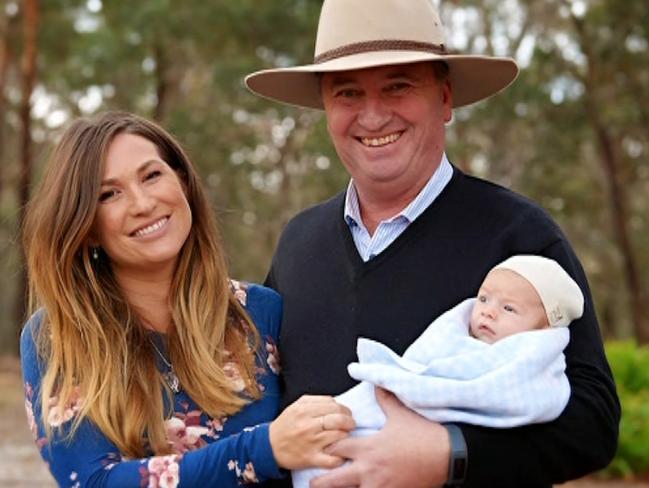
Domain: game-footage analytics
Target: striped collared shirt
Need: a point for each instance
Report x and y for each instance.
(388, 230)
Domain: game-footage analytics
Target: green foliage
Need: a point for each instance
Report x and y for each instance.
(630, 365)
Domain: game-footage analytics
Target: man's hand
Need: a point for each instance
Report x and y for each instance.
(409, 452)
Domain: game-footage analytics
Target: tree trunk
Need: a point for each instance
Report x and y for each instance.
(620, 215)
(5, 59)
(613, 168)
(28, 79)
(162, 88)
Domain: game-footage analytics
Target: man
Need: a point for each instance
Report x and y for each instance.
(409, 238)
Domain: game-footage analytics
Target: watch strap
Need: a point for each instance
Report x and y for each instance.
(459, 456)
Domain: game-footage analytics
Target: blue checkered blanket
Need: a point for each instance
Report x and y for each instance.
(448, 376)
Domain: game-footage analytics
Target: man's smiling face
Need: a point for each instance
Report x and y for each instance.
(387, 124)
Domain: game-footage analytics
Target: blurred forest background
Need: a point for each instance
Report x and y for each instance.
(572, 133)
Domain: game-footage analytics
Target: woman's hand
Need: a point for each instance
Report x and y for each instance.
(301, 432)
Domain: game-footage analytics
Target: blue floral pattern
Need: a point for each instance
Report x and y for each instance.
(224, 452)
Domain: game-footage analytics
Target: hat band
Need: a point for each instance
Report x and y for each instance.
(381, 45)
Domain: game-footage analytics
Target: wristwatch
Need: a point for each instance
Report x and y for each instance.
(458, 462)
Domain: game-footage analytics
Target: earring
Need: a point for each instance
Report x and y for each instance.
(95, 253)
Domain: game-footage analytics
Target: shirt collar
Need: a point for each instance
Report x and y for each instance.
(414, 209)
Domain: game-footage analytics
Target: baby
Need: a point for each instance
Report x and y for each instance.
(495, 360)
(524, 293)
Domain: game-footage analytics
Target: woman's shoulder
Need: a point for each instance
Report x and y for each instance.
(30, 330)
(252, 295)
(32, 364)
(262, 303)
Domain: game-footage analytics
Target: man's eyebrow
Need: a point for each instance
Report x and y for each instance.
(398, 74)
(142, 167)
(342, 80)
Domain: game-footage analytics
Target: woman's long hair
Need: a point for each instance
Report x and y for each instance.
(91, 338)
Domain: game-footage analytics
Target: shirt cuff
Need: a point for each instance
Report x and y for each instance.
(265, 464)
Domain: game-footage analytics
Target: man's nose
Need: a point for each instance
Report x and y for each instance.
(374, 114)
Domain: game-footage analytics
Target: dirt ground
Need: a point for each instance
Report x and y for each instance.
(21, 466)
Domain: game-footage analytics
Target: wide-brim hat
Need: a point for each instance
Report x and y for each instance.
(358, 34)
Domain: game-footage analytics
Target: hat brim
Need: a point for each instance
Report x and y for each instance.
(472, 77)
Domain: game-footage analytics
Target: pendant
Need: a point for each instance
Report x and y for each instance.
(172, 380)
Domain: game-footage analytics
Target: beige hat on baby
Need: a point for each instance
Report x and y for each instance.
(559, 293)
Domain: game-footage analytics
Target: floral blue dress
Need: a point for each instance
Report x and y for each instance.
(223, 452)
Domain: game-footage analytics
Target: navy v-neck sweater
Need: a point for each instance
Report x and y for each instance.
(331, 297)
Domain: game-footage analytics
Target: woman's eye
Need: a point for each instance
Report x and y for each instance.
(107, 195)
(152, 174)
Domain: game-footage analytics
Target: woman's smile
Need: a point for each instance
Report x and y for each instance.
(151, 230)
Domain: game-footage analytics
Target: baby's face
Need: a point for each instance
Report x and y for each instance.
(506, 304)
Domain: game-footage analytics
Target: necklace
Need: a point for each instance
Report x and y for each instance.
(169, 376)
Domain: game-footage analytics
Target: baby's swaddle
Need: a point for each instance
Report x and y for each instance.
(448, 376)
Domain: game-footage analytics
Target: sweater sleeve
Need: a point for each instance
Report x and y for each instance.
(88, 458)
(584, 437)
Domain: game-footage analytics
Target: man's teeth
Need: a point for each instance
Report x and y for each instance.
(151, 228)
(380, 141)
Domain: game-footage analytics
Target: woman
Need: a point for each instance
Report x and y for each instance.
(143, 364)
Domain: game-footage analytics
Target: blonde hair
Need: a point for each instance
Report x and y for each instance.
(91, 337)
